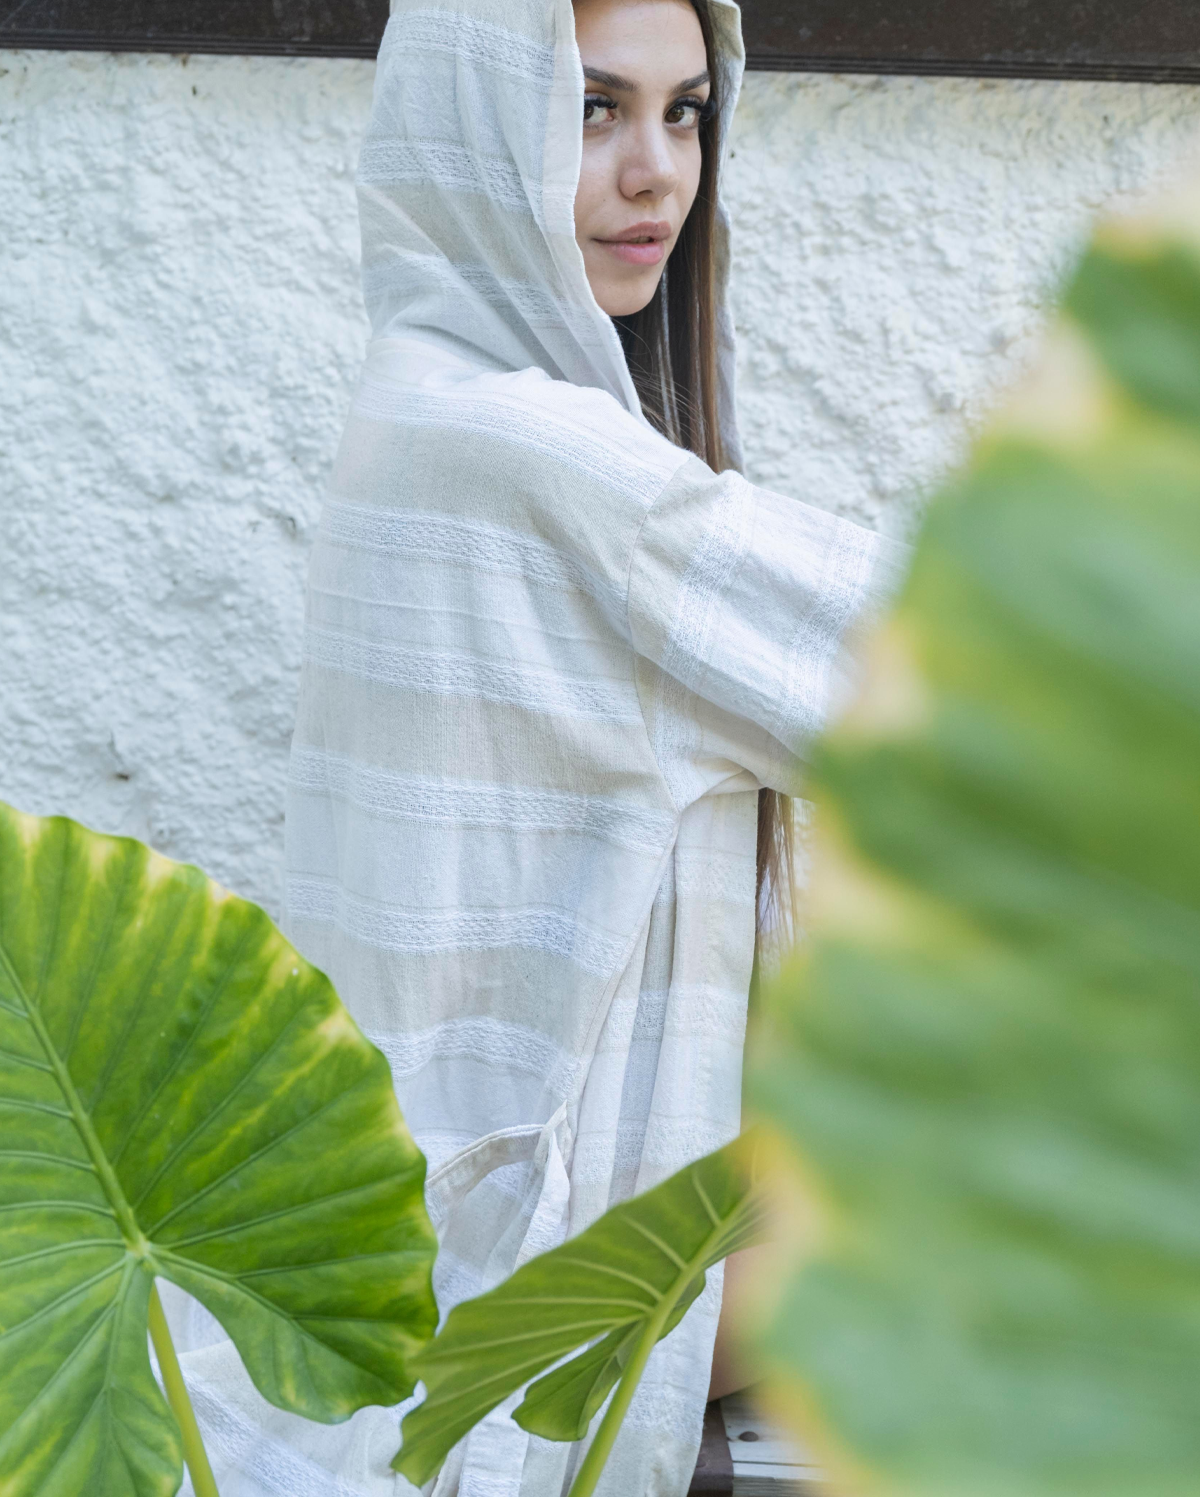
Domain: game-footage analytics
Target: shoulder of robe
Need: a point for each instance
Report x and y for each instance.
(552, 423)
(582, 418)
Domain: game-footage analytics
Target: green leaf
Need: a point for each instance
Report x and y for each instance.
(987, 1067)
(182, 1095)
(644, 1258)
(1143, 313)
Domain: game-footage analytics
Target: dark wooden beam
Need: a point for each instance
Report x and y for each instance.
(1155, 41)
(322, 28)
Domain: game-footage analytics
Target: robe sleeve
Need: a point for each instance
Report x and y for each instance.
(740, 604)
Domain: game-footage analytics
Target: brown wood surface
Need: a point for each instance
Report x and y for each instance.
(1150, 40)
(714, 1469)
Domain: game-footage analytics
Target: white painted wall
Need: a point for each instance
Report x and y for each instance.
(180, 326)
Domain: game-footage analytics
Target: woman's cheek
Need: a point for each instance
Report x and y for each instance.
(589, 195)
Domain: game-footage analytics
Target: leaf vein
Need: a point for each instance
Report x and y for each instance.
(210, 1117)
(26, 1060)
(269, 1305)
(44, 1205)
(617, 1273)
(270, 1216)
(64, 1299)
(46, 1388)
(19, 1104)
(254, 1273)
(109, 1244)
(168, 1075)
(713, 1215)
(612, 1322)
(664, 1248)
(136, 1009)
(241, 1164)
(83, 999)
(47, 1158)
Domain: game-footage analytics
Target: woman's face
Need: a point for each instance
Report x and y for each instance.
(645, 78)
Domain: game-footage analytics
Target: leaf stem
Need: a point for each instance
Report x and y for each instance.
(203, 1482)
(601, 1447)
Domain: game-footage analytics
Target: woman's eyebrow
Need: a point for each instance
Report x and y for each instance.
(610, 80)
(627, 86)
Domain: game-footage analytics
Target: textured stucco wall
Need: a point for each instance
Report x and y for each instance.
(898, 242)
(180, 326)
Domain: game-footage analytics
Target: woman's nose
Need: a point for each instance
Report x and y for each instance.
(649, 170)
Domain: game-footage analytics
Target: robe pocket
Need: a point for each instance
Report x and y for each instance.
(540, 1219)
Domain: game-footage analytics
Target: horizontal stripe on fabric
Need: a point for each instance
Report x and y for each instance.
(430, 987)
(488, 1040)
(701, 1008)
(471, 40)
(730, 878)
(445, 673)
(466, 803)
(464, 543)
(650, 1016)
(451, 168)
(537, 307)
(414, 276)
(596, 1155)
(412, 603)
(667, 1142)
(521, 423)
(429, 865)
(417, 931)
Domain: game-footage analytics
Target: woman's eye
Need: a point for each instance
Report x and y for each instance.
(687, 112)
(598, 109)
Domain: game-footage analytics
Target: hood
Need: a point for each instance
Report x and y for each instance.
(466, 187)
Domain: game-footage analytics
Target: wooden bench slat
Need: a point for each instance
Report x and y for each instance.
(767, 1461)
(766, 1482)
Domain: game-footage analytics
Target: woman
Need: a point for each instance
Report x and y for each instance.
(562, 664)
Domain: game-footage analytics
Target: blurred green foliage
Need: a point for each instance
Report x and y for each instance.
(986, 1070)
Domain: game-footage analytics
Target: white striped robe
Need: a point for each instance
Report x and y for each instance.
(550, 660)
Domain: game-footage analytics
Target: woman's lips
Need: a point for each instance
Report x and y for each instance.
(648, 252)
(642, 243)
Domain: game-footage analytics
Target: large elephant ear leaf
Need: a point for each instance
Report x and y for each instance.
(616, 1289)
(988, 1061)
(181, 1095)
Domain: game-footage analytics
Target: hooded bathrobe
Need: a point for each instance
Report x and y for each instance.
(550, 660)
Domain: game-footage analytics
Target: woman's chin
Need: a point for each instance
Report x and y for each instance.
(620, 288)
(623, 297)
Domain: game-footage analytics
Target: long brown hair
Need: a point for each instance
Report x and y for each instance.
(671, 349)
